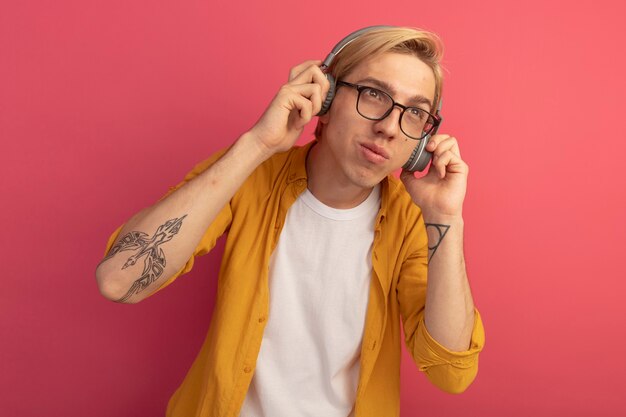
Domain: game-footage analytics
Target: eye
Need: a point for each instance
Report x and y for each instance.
(374, 94)
(418, 113)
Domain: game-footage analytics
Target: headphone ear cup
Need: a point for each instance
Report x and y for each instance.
(419, 158)
(423, 161)
(329, 97)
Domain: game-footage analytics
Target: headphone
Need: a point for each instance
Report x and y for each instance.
(420, 157)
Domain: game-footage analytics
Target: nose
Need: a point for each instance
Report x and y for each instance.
(389, 127)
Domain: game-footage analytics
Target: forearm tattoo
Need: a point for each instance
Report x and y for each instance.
(441, 229)
(154, 262)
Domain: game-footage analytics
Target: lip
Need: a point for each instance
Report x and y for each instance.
(378, 150)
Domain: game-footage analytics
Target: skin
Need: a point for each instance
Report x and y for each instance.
(341, 174)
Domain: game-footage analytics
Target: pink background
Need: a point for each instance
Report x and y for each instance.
(105, 104)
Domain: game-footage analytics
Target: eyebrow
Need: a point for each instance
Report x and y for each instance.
(418, 99)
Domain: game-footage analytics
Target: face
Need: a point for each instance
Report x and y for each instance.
(361, 151)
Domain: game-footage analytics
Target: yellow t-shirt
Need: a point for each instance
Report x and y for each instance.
(218, 380)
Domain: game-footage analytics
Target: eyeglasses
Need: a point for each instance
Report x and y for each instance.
(375, 104)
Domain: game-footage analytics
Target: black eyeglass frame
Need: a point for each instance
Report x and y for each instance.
(436, 119)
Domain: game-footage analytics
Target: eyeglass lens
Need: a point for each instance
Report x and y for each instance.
(376, 104)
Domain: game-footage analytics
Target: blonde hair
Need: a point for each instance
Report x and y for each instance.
(426, 46)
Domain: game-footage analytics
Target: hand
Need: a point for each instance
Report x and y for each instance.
(292, 108)
(440, 193)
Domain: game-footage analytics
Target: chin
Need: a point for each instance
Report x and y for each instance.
(365, 178)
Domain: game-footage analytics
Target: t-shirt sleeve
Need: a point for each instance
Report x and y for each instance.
(217, 228)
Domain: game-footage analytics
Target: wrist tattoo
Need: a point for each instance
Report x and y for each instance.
(442, 229)
(154, 262)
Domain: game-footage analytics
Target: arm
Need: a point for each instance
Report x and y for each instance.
(155, 243)
(449, 332)
(451, 370)
(449, 314)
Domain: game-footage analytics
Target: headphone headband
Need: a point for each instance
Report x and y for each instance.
(346, 41)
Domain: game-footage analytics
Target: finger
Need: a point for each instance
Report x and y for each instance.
(312, 92)
(448, 144)
(312, 74)
(439, 165)
(436, 139)
(449, 162)
(298, 69)
(439, 144)
(301, 111)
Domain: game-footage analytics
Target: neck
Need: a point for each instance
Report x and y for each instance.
(328, 183)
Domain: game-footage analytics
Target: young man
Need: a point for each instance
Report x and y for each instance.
(326, 251)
